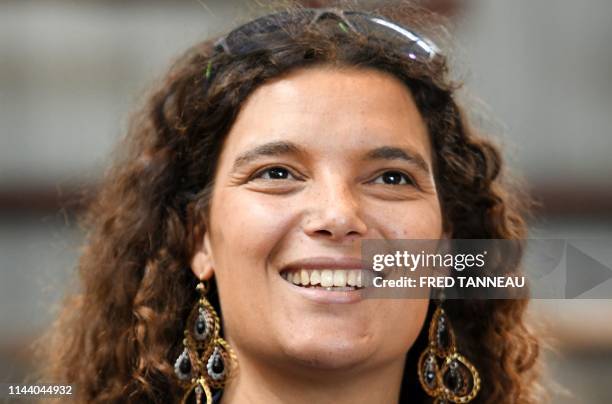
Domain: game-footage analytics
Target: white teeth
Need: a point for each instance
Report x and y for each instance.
(340, 278)
(327, 278)
(304, 277)
(351, 279)
(315, 277)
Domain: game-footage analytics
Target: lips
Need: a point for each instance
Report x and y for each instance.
(329, 273)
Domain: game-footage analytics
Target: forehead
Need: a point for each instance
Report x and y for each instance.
(326, 106)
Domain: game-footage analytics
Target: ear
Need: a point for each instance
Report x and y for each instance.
(202, 263)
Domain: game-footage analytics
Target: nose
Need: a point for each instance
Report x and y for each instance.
(335, 214)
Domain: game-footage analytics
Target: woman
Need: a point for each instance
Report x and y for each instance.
(250, 180)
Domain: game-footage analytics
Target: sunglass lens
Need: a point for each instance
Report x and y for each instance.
(258, 33)
(410, 44)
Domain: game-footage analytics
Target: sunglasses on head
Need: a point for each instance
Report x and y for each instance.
(257, 34)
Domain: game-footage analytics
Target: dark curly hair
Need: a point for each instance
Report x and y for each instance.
(117, 337)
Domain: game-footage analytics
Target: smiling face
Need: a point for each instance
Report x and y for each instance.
(315, 162)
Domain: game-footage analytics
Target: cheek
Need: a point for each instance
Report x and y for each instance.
(413, 220)
(399, 325)
(245, 234)
(413, 313)
(247, 227)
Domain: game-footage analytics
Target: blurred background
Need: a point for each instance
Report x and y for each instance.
(71, 71)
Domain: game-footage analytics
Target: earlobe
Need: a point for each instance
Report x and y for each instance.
(202, 263)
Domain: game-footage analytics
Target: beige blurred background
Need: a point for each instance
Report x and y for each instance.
(71, 71)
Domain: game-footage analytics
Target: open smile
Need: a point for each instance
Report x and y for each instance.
(328, 279)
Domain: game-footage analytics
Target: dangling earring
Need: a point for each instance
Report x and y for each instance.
(445, 374)
(207, 361)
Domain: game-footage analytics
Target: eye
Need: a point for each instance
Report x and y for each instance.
(393, 178)
(274, 173)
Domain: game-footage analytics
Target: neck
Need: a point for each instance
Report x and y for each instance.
(258, 382)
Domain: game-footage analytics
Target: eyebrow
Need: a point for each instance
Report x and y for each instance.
(267, 149)
(280, 148)
(397, 153)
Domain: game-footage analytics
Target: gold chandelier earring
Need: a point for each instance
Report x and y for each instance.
(446, 375)
(207, 360)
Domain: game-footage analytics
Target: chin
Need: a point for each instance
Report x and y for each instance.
(330, 350)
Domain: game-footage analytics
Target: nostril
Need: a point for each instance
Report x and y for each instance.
(328, 233)
(335, 226)
(324, 232)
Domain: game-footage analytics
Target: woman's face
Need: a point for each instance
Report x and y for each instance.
(316, 162)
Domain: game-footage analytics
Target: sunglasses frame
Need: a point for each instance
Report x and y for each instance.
(421, 48)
